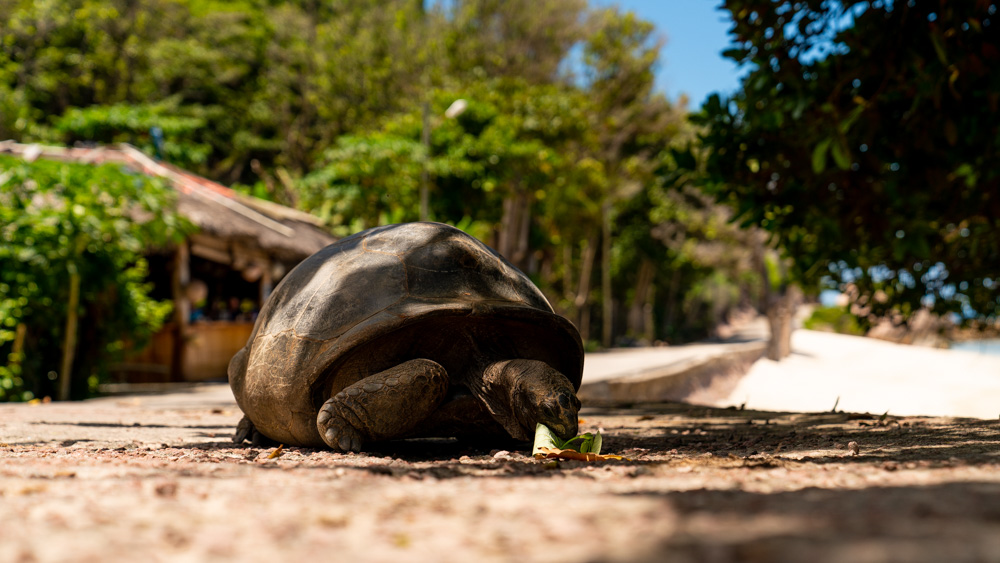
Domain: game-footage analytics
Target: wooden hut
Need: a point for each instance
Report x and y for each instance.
(218, 278)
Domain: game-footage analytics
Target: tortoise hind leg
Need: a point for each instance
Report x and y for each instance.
(385, 405)
(246, 431)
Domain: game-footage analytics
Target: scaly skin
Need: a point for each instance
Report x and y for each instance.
(518, 394)
(386, 405)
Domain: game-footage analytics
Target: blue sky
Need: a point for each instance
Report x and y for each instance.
(691, 62)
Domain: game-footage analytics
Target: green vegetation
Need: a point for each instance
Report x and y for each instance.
(864, 141)
(859, 150)
(72, 239)
(834, 319)
(545, 438)
(322, 107)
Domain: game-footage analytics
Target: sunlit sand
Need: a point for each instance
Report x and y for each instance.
(867, 375)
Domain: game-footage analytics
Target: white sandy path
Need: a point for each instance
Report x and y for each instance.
(872, 376)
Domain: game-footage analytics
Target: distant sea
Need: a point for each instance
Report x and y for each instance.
(990, 347)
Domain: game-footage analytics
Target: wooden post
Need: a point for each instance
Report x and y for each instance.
(182, 309)
(266, 282)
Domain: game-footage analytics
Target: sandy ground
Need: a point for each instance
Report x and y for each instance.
(867, 375)
(155, 478)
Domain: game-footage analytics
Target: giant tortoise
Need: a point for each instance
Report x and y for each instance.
(403, 331)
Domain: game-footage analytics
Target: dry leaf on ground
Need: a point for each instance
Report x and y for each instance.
(556, 453)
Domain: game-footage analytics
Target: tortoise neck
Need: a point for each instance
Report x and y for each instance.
(495, 389)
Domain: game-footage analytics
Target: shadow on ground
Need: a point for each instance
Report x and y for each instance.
(819, 437)
(685, 430)
(942, 522)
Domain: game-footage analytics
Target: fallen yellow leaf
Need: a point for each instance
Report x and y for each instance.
(556, 453)
(277, 452)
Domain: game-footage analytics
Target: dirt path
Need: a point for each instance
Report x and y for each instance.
(155, 478)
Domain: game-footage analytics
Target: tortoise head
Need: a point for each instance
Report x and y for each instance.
(535, 393)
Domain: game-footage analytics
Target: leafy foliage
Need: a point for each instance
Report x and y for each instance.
(368, 181)
(512, 139)
(835, 319)
(134, 124)
(519, 150)
(228, 82)
(564, 158)
(863, 140)
(97, 221)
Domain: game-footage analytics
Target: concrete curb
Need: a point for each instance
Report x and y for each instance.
(677, 381)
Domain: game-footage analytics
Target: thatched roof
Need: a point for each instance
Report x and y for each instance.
(276, 230)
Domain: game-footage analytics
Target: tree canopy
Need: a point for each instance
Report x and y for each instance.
(862, 143)
(561, 158)
(864, 140)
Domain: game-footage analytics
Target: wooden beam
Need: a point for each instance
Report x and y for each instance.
(209, 253)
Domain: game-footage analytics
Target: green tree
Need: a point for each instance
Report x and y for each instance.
(632, 124)
(514, 168)
(72, 239)
(134, 123)
(525, 39)
(490, 164)
(863, 141)
(321, 105)
(367, 181)
(680, 264)
(271, 83)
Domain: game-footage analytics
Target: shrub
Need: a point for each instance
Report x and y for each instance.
(64, 225)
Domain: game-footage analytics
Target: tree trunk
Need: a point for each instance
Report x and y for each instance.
(780, 314)
(779, 306)
(543, 261)
(584, 324)
(567, 273)
(18, 347)
(607, 305)
(515, 229)
(719, 307)
(69, 338)
(508, 227)
(521, 247)
(637, 314)
(675, 286)
(182, 309)
(425, 140)
(582, 299)
(648, 321)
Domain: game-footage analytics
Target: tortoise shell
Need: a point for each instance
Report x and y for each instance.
(382, 297)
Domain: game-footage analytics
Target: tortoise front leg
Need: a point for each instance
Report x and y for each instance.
(382, 406)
